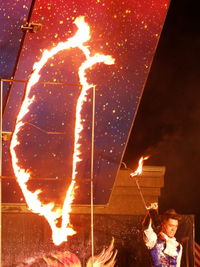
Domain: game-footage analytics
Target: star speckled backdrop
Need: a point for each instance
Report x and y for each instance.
(128, 31)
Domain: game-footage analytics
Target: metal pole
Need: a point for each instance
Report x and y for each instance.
(92, 176)
(140, 191)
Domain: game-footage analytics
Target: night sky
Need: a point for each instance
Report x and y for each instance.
(167, 124)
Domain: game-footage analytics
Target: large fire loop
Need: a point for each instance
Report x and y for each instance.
(49, 211)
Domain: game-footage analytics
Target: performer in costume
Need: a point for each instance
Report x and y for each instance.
(164, 250)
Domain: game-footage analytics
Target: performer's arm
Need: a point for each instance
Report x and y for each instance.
(150, 236)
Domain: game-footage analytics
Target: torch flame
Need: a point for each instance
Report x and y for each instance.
(138, 171)
(49, 211)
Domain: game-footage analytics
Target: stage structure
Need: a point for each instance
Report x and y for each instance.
(119, 219)
(71, 86)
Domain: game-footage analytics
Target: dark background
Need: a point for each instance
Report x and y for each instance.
(167, 125)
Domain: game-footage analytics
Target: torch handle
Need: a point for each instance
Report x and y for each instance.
(140, 191)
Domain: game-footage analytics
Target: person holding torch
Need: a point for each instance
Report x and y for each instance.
(159, 234)
(163, 248)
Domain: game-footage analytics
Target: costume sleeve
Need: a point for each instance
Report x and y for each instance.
(150, 237)
(179, 256)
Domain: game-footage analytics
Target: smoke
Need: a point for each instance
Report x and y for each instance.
(167, 125)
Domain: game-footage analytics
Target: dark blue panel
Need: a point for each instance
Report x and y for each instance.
(126, 30)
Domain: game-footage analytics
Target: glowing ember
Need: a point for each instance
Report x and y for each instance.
(52, 214)
(138, 171)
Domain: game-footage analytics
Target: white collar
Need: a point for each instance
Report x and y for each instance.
(171, 245)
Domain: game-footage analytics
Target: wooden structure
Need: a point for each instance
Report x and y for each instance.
(27, 235)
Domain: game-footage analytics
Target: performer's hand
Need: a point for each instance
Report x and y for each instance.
(146, 221)
(154, 217)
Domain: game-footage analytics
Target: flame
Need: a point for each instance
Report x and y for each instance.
(138, 171)
(106, 258)
(49, 211)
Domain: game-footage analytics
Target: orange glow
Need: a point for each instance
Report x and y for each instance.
(138, 171)
(49, 211)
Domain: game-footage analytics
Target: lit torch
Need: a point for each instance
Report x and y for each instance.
(137, 172)
(52, 214)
